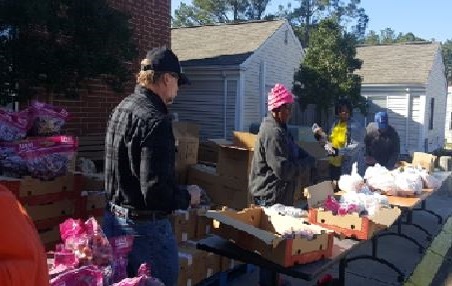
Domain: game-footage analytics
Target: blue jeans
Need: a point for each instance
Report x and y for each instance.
(154, 243)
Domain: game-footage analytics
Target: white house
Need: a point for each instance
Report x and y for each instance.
(408, 80)
(449, 116)
(232, 67)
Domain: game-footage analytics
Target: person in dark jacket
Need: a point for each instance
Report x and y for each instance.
(382, 142)
(277, 161)
(140, 175)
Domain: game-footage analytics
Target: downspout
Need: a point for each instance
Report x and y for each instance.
(262, 94)
(408, 114)
(225, 104)
(241, 99)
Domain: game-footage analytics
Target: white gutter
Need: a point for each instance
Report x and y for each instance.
(408, 118)
(241, 100)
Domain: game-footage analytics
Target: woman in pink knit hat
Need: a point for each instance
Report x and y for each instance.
(277, 160)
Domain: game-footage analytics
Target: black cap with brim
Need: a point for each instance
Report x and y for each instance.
(164, 60)
(183, 79)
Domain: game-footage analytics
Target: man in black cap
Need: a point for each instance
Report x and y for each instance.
(139, 167)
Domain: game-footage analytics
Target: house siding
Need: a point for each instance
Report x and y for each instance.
(210, 102)
(437, 89)
(405, 111)
(280, 60)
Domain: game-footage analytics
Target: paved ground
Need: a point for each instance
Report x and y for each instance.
(435, 264)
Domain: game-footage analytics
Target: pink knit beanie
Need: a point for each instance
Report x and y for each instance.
(278, 96)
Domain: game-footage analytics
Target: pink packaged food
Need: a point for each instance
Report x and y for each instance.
(122, 246)
(84, 276)
(144, 278)
(13, 125)
(46, 119)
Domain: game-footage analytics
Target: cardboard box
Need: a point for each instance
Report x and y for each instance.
(260, 232)
(53, 210)
(203, 176)
(187, 145)
(213, 264)
(228, 264)
(92, 182)
(244, 139)
(193, 262)
(34, 187)
(50, 235)
(95, 200)
(349, 225)
(232, 192)
(426, 161)
(184, 225)
(234, 162)
(208, 151)
(203, 226)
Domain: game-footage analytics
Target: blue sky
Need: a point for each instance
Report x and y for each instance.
(426, 19)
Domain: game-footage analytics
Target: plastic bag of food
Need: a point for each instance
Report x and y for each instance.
(46, 119)
(143, 278)
(13, 125)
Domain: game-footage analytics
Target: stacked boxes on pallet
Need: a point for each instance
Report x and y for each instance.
(92, 200)
(48, 203)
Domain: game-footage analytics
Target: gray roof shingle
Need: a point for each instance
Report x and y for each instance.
(397, 64)
(225, 44)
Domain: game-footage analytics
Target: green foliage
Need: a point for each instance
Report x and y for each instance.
(58, 45)
(327, 71)
(388, 36)
(203, 12)
(447, 57)
(310, 12)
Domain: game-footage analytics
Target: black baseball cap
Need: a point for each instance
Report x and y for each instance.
(164, 60)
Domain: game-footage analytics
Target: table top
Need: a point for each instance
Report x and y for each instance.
(307, 272)
(404, 202)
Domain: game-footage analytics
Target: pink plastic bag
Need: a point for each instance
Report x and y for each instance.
(85, 276)
(122, 246)
(144, 278)
(46, 119)
(13, 125)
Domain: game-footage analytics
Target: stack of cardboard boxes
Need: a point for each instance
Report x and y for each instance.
(227, 184)
(48, 203)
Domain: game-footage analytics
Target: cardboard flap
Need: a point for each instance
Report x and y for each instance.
(220, 141)
(185, 130)
(386, 216)
(229, 218)
(314, 149)
(244, 140)
(426, 161)
(318, 193)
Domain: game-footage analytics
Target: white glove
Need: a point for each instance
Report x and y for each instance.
(329, 148)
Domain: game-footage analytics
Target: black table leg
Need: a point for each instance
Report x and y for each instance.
(268, 277)
(374, 257)
(423, 208)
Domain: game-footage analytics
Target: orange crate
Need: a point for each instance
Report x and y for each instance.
(352, 225)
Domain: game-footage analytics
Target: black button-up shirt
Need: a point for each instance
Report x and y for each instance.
(140, 155)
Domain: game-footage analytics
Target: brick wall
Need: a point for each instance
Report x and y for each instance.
(150, 21)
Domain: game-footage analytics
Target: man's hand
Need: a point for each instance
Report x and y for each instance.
(195, 193)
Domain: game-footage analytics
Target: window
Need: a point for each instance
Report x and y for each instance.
(432, 108)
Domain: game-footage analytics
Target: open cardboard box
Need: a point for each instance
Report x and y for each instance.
(425, 160)
(260, 232)
(349, 225)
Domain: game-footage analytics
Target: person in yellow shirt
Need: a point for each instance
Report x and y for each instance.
(346, 138)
